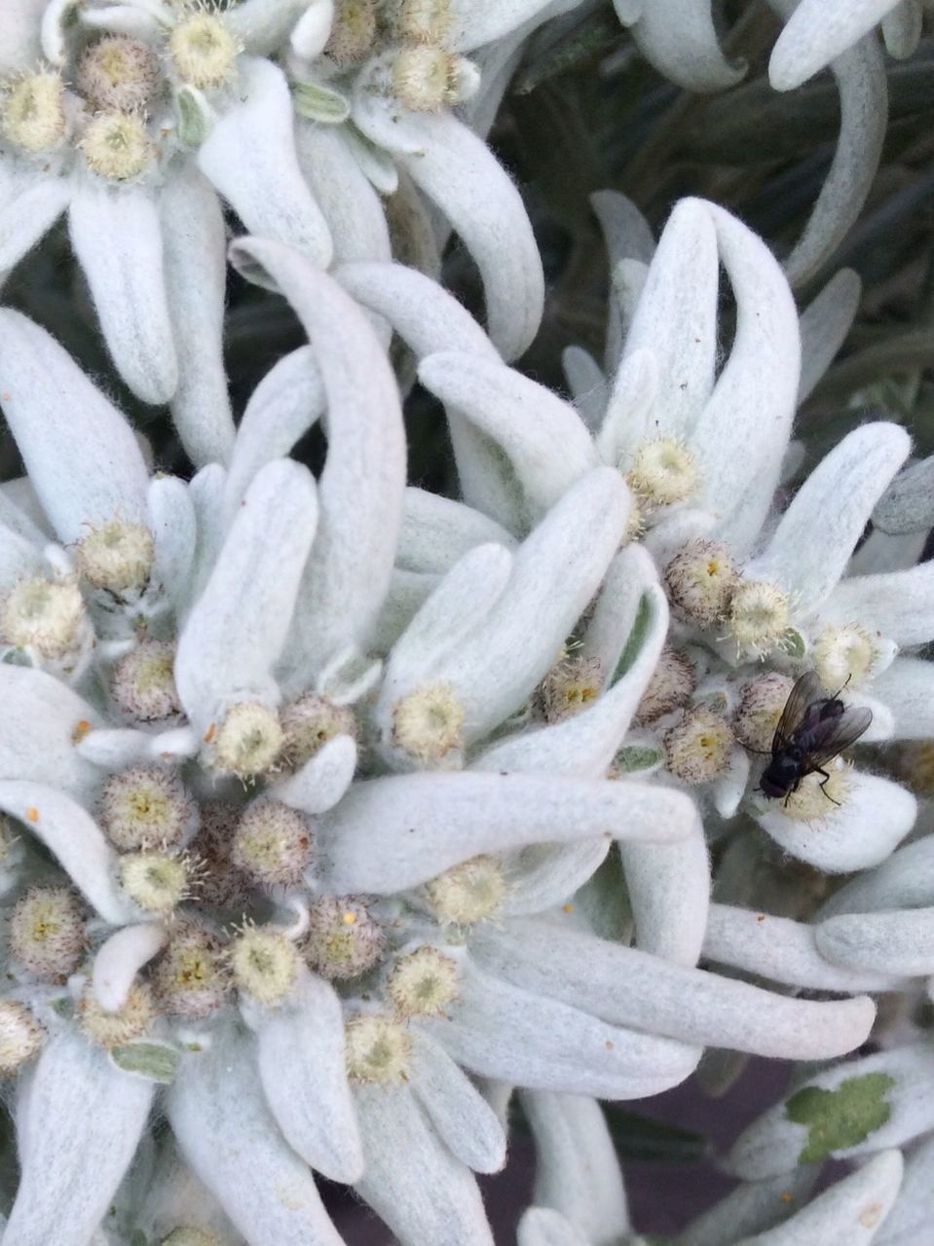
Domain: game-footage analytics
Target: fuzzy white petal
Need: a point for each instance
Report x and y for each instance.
(631, 412)
(301, 1063)
(784, 951)
(540, 1226)
(458, 172)
(750, 1208)
(18, 558)
(908, 503)
(172, 522)
(544, 875)
(311, 32)
(285, 404)
(430, 1199)
(678, 37)
(37, 732)
(899, 604)
(74, 838)
(394, 833)
(250, 157)
(461, 1116)
(627, 595)
(556, 572)
(748, 418)
(227, 1134)
(902, 28)
(121, 957)
(81, 454)
(437, 531)
(195, 249)
(350, 205)
(825, 323)
(236, 630)
(577, 1170)
(323, 779)
(499, 1030)
(817, 31)
(910, 1218)
(425, 316)
(428, 319)
(907, 688)
(630, 246)
(900, 943)
(836, 500)
(875, 816)
(588, 385)
(206, 492)
(458, 605)
(78, 1123)
(542, 436)
(28, 216)
(848, 1214)
(676, 319)
(20, 48)
(117, 238)
(625, 986)
(861, 82)
(772, 1143)
(475, 22)
(361, 488)
(627, 233)
(262, 26)
(584, 746)
(903, 880)
(669, 891)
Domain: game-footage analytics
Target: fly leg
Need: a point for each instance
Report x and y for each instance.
(823, 786)
(791, 791)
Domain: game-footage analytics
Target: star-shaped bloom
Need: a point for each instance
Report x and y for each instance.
(124, 126)
(756, 598)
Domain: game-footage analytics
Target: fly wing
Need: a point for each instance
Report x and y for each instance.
(833, 735)
(806, 691)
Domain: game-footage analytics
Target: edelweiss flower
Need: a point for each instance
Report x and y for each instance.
(747, 585)
(308, 961)
(376, 102)
(127, 125)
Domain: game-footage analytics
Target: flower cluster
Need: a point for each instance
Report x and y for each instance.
(334, 811)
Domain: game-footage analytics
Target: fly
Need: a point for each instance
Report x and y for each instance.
(812, 730)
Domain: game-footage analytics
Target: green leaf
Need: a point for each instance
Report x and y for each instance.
(579, 49)
(320, 103)
(639, 1138)
(193, 119)
(793, 644)
(633, 758)
(841, 1118)
(635, 640)
(158, 1062)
